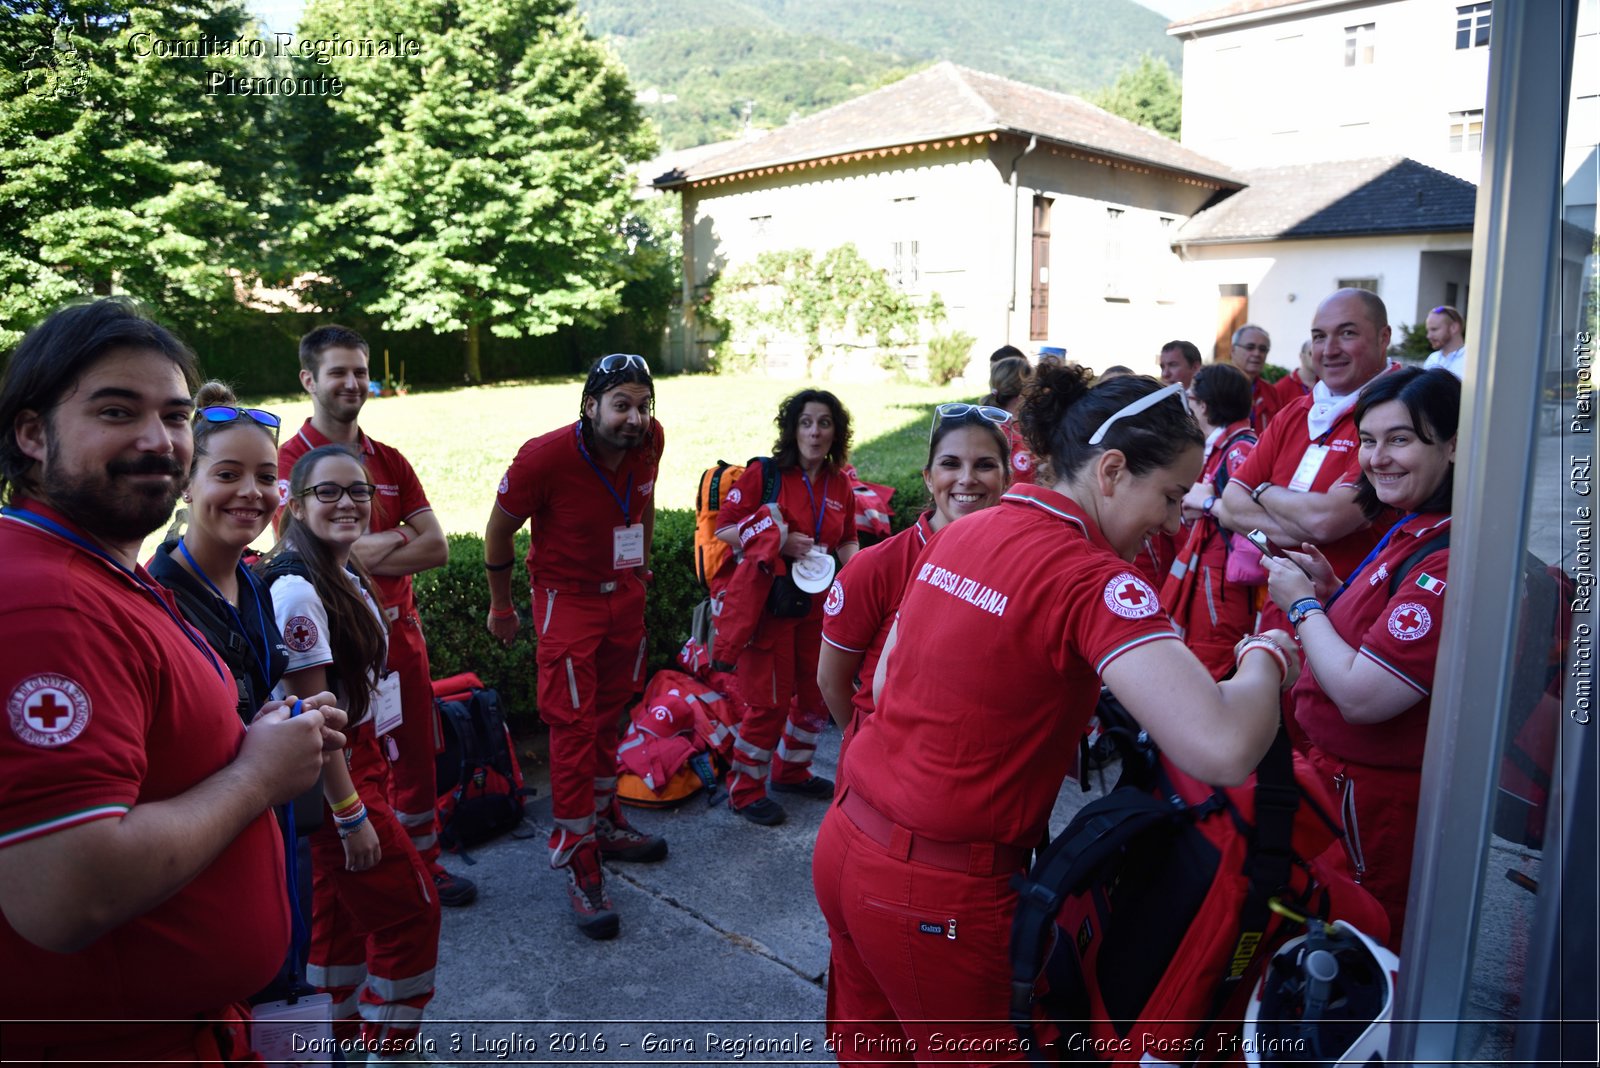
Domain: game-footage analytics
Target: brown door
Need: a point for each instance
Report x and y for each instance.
(1233, 311)
(1039, 302)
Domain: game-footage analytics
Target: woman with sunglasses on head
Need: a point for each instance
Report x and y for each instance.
(1014, 618)
(777, 672)
(375, 919)
(1371, 641)
(232, 496)
(1210, 611)
(965, 473)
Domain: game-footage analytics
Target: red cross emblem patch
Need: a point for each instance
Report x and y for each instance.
(300, 634)
(48, 710)
(1131, 597)
(505, 483)
(835, 602)
(1021, 460)
(1410, 621)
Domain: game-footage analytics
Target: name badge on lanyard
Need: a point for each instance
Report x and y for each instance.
(387, 712)
(627, 547)
(1310, 464)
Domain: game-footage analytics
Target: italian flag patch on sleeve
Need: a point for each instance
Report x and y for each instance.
(1429, 583)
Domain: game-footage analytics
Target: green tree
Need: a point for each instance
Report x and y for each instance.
(797, 292)
(484, 183)
(118, 172)
(1148, 94)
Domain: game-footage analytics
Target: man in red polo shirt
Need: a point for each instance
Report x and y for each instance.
(142, 887)
(588, 490)
(1299, 484)
(404, 538)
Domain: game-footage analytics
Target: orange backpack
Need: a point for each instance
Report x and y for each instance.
(711, 553)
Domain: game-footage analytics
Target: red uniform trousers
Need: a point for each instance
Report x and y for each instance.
(1378, 807)
(414, 782)
(784, 709)
(590, 654)
(374, 934)
(916, 952)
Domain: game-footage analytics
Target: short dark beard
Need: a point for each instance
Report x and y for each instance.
(127, 516)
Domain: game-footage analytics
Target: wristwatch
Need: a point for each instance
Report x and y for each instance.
(1210, 503)
(1255, 494)
(1303, 609)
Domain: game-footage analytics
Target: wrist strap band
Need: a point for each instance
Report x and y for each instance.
(1266, 645)
(1255, 494)
(487, 566)
(405, 539)
(508, 612)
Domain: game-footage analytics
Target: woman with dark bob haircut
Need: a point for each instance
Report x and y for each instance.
(1370, 641)
(777, 672)
(1010, 622)
(1212, 612)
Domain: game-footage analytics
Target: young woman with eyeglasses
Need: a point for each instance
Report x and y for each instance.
(1007, 379)
(777, 672)
(1371, 641)
(1010, 624)
(232, 496)
(965, 473)
(1211, 612)
(375, 918)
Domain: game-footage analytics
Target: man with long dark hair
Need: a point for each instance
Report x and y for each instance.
(588, 489)
(134, 822)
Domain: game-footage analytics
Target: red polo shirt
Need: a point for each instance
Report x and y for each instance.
(825, 510)
(575, 504)
(1289, 389)
(399, 497)
(1400, 633)
(1278, 456)
(1264, 403)
(111, 706)
(1008, 620)
(861, 605)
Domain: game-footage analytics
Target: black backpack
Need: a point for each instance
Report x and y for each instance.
(481, 791)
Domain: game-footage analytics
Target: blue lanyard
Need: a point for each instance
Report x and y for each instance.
(819, 511)
(291, 867)
(264, 654)
(1373, 555)
(622, 502)
(46, 524)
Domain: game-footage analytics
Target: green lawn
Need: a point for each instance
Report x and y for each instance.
(461, 440)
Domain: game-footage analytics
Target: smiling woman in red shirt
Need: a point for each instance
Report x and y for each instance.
(1011, 621)
(1371, 641)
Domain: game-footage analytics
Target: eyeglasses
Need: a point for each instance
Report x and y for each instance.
(1263, 349)
(330, 492)
(1149, 400)
(227, 413)
(622, 361)
(962, 410)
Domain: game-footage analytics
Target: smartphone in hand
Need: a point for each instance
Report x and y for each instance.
(1262, 542)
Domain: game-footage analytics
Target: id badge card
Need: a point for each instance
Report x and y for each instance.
(293, 1033)
(627, 547)
(1310, 464)
(386, 709)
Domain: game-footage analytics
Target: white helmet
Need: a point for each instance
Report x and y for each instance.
(1325, 998)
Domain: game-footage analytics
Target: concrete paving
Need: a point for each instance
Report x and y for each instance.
(722, 956)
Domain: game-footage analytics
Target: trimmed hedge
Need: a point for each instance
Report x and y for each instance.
(453, 602)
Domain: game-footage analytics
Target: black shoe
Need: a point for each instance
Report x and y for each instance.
(816, 786)
(763, 810)
(454, 890)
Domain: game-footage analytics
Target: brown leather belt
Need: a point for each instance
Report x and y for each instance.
(973, 858)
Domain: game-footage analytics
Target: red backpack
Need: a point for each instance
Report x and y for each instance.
(1145, 923)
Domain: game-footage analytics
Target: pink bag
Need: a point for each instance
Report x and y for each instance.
(1244, 562)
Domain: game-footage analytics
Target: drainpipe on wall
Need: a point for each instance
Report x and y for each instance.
(1011, 305)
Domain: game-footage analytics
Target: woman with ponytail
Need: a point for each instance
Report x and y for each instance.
(375, 919)
(1012, 620)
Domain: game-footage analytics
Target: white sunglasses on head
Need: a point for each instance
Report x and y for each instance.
(1149, 400)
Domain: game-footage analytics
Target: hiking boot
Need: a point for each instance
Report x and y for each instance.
(591, 905)
(619, 840)
(763, 810)
(453, 891)
(816, 786)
